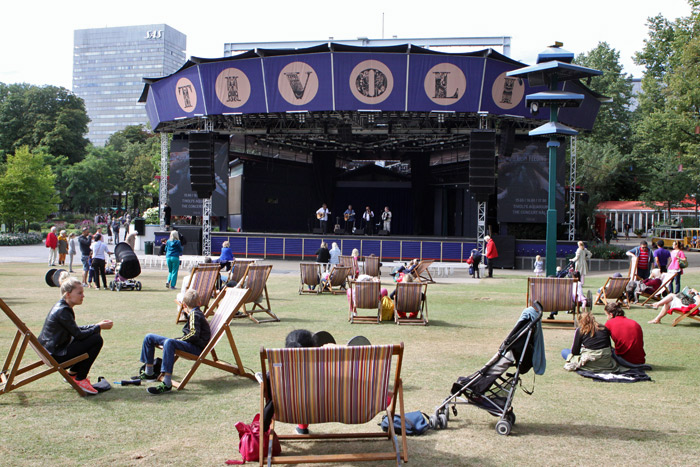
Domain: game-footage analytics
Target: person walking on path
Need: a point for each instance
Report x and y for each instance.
(173, 251)
(52, 244)
(62, 248)
(84, 242)
(491, 253)
(72, 249)
(581, 259)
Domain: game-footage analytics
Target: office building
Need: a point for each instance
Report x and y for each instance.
(108, 67)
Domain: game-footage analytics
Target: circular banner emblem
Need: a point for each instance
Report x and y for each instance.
(232, 88)
(507, 91)
(371, 82)
(186, 95)
(445, 84)
(298, 83)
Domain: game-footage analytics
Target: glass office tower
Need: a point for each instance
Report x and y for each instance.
(108, 67)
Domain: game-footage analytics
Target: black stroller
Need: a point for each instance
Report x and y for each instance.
(567, 271)
(128, 268)
(491, 388)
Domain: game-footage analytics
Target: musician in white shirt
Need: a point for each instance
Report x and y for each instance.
(386, 217)
(322, 215)
(368, 218)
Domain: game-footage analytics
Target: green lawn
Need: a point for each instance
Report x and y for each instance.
(568, 420)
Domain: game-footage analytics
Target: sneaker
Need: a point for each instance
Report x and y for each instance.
(147, 378)
(167, 285)
(172, 288)
(98, 288)
(302, 431)
(159, 389)
(85, 385)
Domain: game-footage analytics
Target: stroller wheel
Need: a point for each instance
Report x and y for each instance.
(138, 285)
(111, 286)
(503, 427)
(434, 422)
(442, 418)
(118, 286)
(510, 416)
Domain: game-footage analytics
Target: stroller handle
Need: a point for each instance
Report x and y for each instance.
(538, 308)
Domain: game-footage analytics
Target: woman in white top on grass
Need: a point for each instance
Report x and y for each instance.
(99, 259)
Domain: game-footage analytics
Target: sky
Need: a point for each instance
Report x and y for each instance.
(37, 35)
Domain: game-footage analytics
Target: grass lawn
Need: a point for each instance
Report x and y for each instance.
(568, 420)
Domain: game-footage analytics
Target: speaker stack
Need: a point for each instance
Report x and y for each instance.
(482, 164)
(201, 148)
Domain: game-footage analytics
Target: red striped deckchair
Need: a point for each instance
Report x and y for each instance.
(366, 295)
(372, 266)
(310, 278)
(555, 294)
(349, 385)
(337, 278)
(12, 368)
(615, 289)
(409, 299)
(227, 302)
(685, 312)
(255, 279)
(203, 279)
(667, 277)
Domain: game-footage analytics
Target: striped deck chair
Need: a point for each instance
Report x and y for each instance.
(203, 279)
(555, 294)
(366, 296)
(238, 269)
(409, 299)
(372, 266)
(310, 278)
(615, 289)
(12, 368)
(255, 279)
(337, 280)
(351, 263)
(227, 302)
(349, 385)
(685, 312)
(666, 279)
(421, 272)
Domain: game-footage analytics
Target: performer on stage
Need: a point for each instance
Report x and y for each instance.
(386, 217)
(368, 220)
(349, 216)
(322, 216)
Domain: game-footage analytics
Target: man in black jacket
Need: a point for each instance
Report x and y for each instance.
(84, 241)
(195, 336)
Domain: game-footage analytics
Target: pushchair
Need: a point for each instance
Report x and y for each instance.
(566, 271)
(128, 268)
(492, 388)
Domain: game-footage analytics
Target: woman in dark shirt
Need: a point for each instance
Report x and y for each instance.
(591, 349)
(323, 255)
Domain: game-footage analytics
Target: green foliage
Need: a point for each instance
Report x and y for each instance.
(607, 251)
(27, 188)
(91, 182)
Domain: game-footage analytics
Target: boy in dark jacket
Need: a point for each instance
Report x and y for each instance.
(195, 336)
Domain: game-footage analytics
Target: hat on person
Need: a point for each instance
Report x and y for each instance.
(86, 228)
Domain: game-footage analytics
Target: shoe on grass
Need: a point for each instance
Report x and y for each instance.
(85, 385)
(159, 389)
(147, 378)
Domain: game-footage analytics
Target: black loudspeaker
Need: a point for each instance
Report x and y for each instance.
(201, 148)
(505, 148)
(482, 163)
(359, 231)
(318, 230)
(338, 231)
(383, 232)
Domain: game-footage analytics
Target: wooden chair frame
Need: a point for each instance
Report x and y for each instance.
(238, 269)
(371, 266)
(302, 359)
(258, 288)
(310, 275)
(363, 299)
(227, 303)
(12, 367)
(684, 315)
(348, 261)
(658, 294)
(338, 277)
(421, 272)
(555, 294)
(409, 297)
(615, 288)
(203, 278)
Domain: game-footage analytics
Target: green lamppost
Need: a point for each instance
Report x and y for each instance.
(553, 69)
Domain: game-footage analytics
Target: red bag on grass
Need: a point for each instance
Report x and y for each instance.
(250, 440)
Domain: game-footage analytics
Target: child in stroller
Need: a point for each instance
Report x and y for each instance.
(491, 388)
(128, 268)
(566, 271)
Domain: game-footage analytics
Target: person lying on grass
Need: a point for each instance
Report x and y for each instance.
(195, 336)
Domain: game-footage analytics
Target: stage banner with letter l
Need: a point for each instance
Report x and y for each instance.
(365, 81)
(443, 82)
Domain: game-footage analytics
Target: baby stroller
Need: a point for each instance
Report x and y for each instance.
(128, 267)
(566, 271)
(491, 388)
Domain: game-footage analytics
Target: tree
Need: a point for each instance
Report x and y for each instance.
(28, 192)
(670, 186)
(91, 182)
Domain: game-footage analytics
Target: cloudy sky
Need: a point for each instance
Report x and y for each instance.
(37, 35)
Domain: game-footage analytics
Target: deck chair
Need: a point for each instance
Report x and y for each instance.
(227, 303)
(12, 368)
(421, 272)
(255, 279)
(238, 270)
(337, 280)
(409, 299)
(321, 385)
(666, 279)
(555, 294)
(366, 295)
(690, 312)
(310, 278)
(615, 289)
(203, 279)
(372, 266)
(350, 263)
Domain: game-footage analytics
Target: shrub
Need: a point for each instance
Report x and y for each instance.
(36, 226)
(14, 239)
(152, 216)
(606, 251)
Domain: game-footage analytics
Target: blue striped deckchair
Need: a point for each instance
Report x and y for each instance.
(349, 385)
